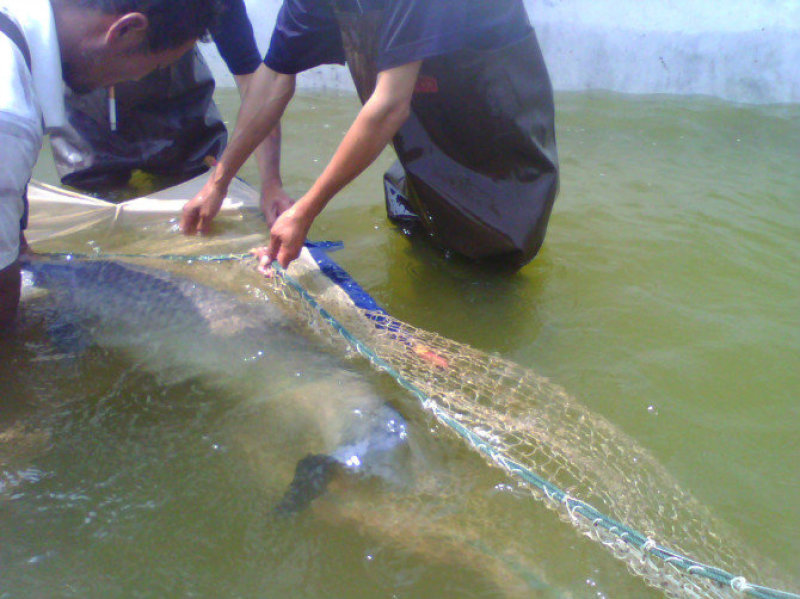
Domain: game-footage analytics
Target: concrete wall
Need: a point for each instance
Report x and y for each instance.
(738, 50)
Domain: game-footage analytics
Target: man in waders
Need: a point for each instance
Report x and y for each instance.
(165, 124)
(85, 44)
(461, 89)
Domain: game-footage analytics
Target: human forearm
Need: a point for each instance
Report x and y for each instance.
(268, 152)
(268, 156)
(362, 144)
(368, 135)
(377, 122)
(379, 119)
(265, 96)
(274, 199)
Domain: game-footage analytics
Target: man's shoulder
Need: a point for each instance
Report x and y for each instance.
(36, 20)
(17, 97)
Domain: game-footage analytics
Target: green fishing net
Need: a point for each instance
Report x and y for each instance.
(595, 477)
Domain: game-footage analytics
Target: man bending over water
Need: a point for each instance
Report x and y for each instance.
(88, 44)
(460, 88)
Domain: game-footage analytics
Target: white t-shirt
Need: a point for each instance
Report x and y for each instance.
(29, 102)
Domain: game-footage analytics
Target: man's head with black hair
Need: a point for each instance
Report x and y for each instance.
(107, 41)
(171, 23)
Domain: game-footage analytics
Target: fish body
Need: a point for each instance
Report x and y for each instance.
(176, 327)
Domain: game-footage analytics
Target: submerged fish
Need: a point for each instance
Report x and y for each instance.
(177, 328)
(295, 406)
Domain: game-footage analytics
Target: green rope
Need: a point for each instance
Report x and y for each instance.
(574, 507)
(173, 257)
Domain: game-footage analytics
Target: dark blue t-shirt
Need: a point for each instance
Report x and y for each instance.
(307, 35)
(234, 38)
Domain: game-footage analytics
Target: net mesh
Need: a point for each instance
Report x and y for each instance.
(594, 476)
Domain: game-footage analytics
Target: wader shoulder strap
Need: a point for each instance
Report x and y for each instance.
(12, 32)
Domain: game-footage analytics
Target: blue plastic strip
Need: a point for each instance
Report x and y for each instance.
(340, 277)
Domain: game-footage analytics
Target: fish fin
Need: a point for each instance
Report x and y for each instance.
(311, 478)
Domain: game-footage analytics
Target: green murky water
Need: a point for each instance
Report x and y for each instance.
(666, 298)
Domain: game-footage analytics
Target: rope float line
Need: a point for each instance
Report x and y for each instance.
(580, 513)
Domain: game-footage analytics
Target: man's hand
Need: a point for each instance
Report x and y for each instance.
(287, 237)
(267, 95)
(202, 208)
(274, 202)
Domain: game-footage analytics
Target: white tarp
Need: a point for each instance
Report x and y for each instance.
(56, 212)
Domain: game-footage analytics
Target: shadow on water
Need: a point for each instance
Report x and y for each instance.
(422, 276)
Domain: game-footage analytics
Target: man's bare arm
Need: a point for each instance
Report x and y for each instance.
(377, 122)
(266, 98)
(274, 200)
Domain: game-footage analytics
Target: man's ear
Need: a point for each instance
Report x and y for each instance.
(128, 33)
